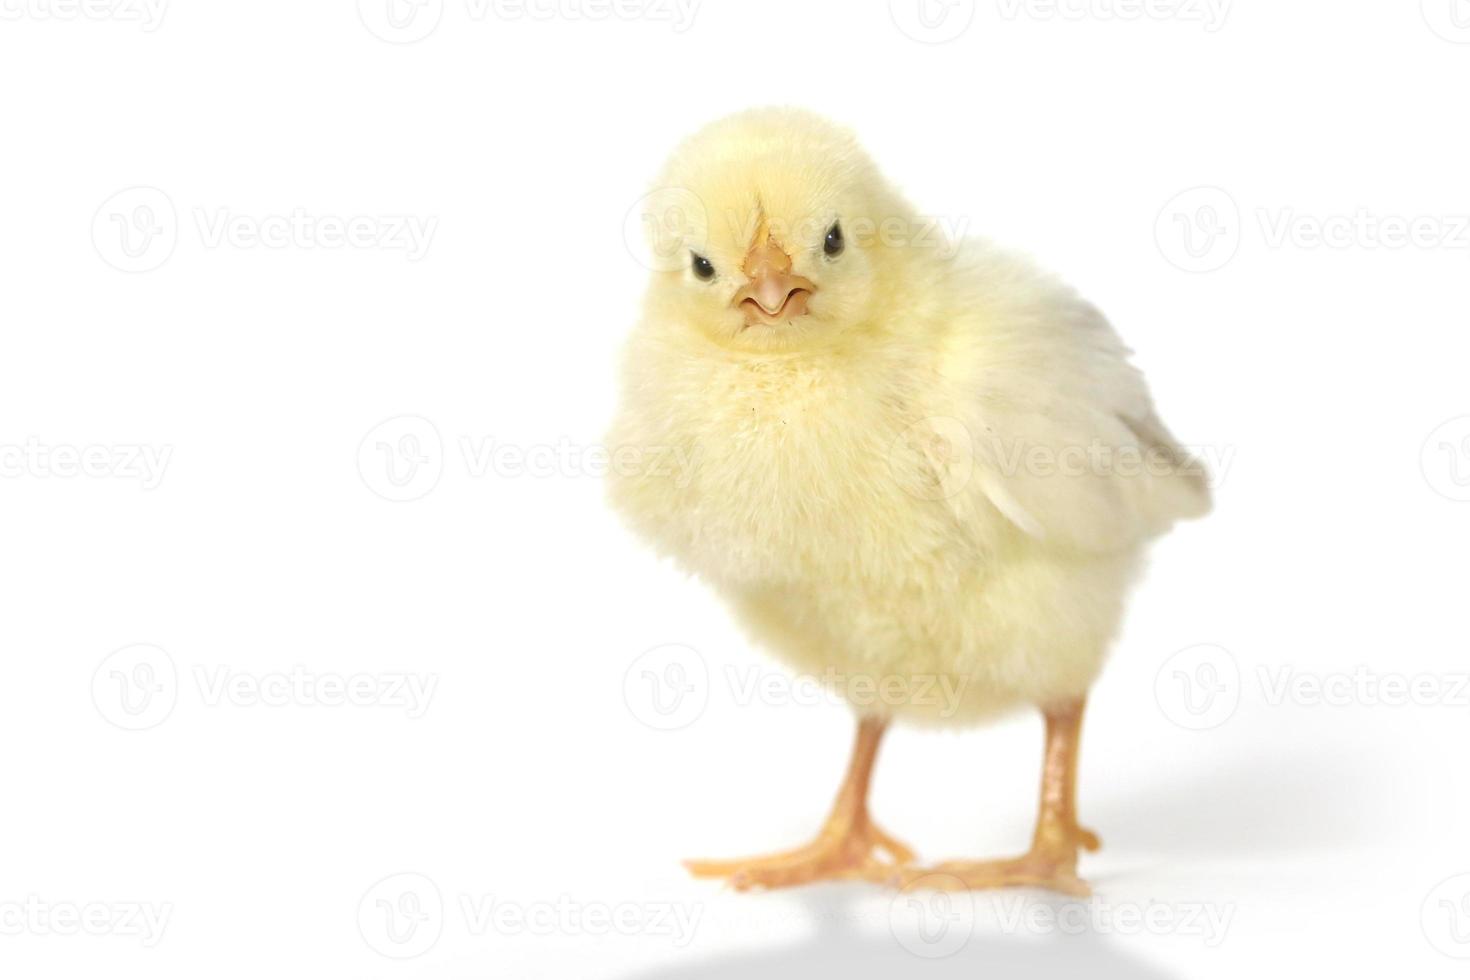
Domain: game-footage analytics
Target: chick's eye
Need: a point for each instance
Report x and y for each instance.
(703, 267)
(835, 243)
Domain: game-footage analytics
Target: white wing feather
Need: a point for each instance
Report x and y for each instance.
(1066, 442)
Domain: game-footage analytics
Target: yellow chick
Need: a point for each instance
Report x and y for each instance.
(923, 471)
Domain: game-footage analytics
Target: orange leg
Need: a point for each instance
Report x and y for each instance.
(847, 847)
(1052, 860)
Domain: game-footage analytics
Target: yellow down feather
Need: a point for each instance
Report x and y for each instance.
(945, 473)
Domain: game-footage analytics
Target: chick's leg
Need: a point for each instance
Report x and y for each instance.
(1052, 860)
(848, 845)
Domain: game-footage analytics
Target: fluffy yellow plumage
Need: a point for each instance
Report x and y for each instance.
(946, 468)
(914, 478)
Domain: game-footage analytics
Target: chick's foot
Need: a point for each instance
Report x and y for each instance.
(842, 851)
(1050, 865)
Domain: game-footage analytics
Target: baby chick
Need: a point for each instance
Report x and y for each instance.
(920, 466)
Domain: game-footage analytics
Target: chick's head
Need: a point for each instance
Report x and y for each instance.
(774, 230)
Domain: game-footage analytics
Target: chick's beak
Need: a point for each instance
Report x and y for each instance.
(774, 294)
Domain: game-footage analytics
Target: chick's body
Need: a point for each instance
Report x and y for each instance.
(890, 506)
(923, 473)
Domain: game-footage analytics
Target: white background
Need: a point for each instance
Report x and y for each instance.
(261, 828)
